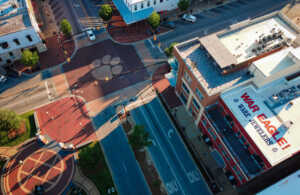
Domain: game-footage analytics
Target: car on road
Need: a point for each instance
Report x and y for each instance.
(91, 35)
(189, 18)
(2, 79)
(168, 24)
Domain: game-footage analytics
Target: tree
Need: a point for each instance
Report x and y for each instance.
(169, 50)
(89, 156)
(139, 138)
(9, 120)
(29, 58)
(66, 27)
(183, 5)
(105, 12)
(154, 20)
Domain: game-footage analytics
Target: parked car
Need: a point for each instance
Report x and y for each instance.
(189, 18)
(2, 79)
(168, 24)
(91, 35)
(230, 177)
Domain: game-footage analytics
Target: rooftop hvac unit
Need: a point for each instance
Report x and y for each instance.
(288, 124)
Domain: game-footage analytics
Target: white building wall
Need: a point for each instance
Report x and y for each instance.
(158, 5)
(15, 49)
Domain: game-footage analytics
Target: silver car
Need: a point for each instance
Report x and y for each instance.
(2, 79)
(189, 18)
(91, 35)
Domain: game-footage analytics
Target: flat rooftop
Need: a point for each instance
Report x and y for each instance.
(241, 42)
(206, 70)
(287, 185)
(278, 61)
(13, 16)
(274, 128)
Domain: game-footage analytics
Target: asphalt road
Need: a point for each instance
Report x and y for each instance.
(24, 93)
(174, 163)
(126, 172)
(220, 18)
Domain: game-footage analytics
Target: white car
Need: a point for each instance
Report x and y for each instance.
(2, 78)
(189, 18)
(91, 35)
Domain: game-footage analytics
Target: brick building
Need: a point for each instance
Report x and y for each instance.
(251, 57)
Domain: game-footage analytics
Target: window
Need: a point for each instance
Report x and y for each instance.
(17, 42)
(142, 5)
(211, 133)
(204, 122)
(135, 7)
(0, 59)
(29, 38)
(148, 3)
(196, 105)
(4, 45)
(183, 98)
(11, 54)
(184, 87)
(154, 2)
(187, 77)
(199, 94)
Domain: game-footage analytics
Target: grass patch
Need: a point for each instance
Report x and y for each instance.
(28, 118)
(93, 165)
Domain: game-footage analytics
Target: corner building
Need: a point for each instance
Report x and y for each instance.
(241, 86)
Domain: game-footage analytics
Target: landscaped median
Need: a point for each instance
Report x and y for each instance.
(93, 165)
(139, 139)
(15, 129)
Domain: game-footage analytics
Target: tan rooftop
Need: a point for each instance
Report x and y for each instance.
(15, 17)
(218, 51)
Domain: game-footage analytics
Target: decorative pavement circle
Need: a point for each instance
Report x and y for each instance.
(115, 61)
(106, 59)
(44, 167)
(107, 67)
(102, 73)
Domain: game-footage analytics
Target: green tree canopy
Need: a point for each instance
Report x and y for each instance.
(183, 5)
(66, 27)
(105, 12)
(90, 155)
(29, 58)
(139, 138)
(9, 120)
(169, 50)
(154, 20)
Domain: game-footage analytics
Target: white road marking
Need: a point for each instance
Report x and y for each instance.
(124, 166)
(172, 187)
(160, 49)
(161, 149)
(150, 41)
(48, 91)
(170, 132)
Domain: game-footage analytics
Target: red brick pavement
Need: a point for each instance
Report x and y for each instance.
(163, 86)
(53, 56)
(66, 121)
(123, 33)
(40, 167)
(55, 53)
